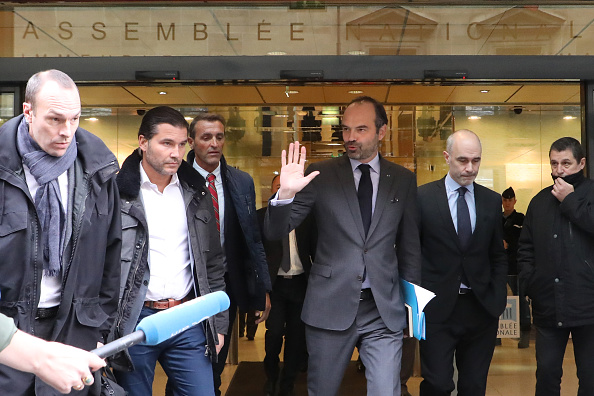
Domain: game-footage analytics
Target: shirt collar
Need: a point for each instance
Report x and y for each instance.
(145, 181)
(453, 186)
(204, 173)
(374, 163)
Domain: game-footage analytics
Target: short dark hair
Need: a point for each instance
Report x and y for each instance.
(568, 143)
(210, 117)
(160, 115)
(37, 80)
(381, 118)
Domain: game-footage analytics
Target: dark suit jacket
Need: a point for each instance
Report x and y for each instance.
(391, 249)
(484, 262)
(306, 239)
(247, 270)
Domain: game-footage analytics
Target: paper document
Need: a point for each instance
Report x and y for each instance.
(416, 298)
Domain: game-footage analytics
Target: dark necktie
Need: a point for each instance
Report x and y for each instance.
(215, 198)
(365, 194)
(464, 225)
(286, 259)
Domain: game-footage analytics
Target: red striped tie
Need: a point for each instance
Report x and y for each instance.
(215, 197)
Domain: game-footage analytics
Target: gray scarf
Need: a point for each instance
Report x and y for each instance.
(45, 169)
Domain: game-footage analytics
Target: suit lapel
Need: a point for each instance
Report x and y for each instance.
(386, 180)
(345, 177)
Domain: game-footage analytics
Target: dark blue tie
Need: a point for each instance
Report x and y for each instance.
(464, 225)
(365, 194)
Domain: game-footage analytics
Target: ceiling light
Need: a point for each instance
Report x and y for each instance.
(162, 93)
(355, 92)
(281, 115)
(474, 118)
(356, 52)
(276, 53)
(188, 118)
(92, 119)
(568, 117)
(484, 91)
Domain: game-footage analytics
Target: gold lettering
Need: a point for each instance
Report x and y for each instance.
(96, 26)
(571, 35)
(61, 26)
(512, 32)
(130, 30)
(260, 31)
(390, 31)
(30, 30)
(542, 32)
(170, 31)
(473, 28)
(293, 31)
(229, 38)
(200, 31)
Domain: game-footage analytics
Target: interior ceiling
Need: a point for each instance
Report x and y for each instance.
(331, 94)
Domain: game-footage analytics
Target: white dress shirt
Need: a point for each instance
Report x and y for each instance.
(169, 253)
(296, 265)
(221, 196)
(51, 286)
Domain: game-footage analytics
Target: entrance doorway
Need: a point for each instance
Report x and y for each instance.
(515, 121)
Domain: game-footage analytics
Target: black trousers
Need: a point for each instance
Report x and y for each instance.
(550, 350)
(468, 336)
(284, 320)
(247, 323)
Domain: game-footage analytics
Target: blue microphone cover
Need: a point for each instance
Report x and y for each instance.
(170, 322)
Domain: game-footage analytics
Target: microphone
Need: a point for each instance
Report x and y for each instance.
(163, 325)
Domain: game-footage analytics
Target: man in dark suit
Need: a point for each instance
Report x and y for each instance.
(365, 212)
(289, 264)
(465, 265)
(233, 194)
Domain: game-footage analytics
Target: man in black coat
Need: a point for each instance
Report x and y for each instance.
(233, 194)
(556, 260)
(289, 263)
(60, 233)
(464, 264)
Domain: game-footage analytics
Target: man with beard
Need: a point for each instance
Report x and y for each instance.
(365, 212)
(170, 254)
(556, 261)
(464, 264)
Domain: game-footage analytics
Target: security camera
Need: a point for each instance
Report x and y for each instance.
(518, 109)
(140, 112)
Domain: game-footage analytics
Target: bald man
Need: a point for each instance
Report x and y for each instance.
(464, 263)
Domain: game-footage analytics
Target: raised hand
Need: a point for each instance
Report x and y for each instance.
(292, 179)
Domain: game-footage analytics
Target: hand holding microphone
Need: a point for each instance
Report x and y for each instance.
(163, 325)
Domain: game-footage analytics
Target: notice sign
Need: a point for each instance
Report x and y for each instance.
(509, 321)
